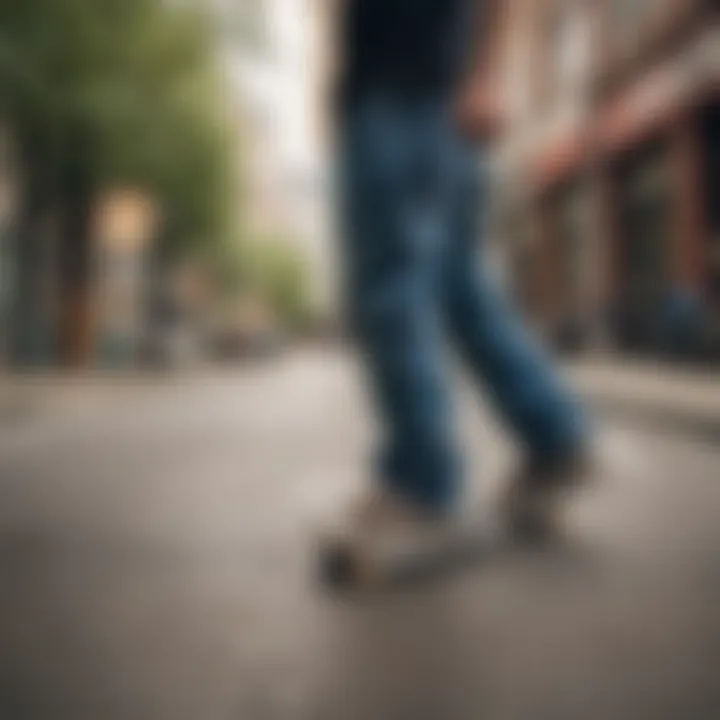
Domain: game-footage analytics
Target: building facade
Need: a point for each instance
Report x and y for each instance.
(615, 145)
(546, 188)
(657, 158)
(280, 84)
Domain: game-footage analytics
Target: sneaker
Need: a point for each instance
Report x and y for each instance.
(537, 497)
(385, 536)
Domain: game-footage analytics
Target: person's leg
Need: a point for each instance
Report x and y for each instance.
(501, 352)
(395, 226)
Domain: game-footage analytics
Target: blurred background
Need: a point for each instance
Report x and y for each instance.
(166, 183)
(166, 195)
(162, 179)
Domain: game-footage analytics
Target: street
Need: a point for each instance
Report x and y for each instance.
(156, 564)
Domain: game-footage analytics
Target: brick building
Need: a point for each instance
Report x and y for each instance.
(615, 142)
(657, 157)
(545, 187)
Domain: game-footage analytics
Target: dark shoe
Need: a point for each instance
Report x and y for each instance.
(537, 498)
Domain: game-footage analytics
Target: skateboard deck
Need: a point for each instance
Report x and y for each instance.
(355, 566)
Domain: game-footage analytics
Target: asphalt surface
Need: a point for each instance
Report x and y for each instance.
(156, 563)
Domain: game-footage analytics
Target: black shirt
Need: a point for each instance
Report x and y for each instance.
(409, 47)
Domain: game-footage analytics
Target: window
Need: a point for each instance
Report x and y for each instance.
(711, 141)
(645, 243)
(550, 35)
(565, 52)
(629, 13)
(630, 19)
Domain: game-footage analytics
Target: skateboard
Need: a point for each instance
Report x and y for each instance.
(348, 566)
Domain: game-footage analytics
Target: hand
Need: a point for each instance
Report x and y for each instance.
(478, 111)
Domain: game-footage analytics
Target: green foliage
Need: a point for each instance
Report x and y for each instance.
(123, 91)
(273, 271)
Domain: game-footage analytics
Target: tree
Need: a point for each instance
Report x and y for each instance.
(101, 92)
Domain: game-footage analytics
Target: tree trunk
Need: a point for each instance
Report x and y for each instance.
(30, 339)
(76, 300)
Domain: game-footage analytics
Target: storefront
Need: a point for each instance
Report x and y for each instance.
(710, 128)
(642, 244)
(710, 144)
(561, 264)
(657, 140)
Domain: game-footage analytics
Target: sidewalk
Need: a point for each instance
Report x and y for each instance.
(682, 399)
(25, 395)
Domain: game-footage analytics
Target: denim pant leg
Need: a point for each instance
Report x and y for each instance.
(500, 351)
(395, 228)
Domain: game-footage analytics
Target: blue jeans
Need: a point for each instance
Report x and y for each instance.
(411, 197)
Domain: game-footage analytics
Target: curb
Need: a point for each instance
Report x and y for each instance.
(688, 422)
(659, 397)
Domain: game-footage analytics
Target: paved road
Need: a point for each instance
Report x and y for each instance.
(154, 565)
